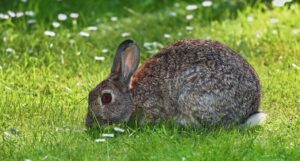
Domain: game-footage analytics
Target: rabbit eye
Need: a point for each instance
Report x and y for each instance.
(106, 98)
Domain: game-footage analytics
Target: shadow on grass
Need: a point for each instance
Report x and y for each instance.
(171, 129)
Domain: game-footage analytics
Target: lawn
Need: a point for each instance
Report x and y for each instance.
(49, 63)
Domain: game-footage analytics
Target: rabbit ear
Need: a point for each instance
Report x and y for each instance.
(126, 60)
(130, 61)
(116, 68)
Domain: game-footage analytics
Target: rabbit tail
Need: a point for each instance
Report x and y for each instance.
(256, 119)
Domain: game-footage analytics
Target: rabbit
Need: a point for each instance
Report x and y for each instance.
(192, 82)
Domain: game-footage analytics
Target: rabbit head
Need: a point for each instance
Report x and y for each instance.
(110, 101)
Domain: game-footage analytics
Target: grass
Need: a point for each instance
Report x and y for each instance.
(44, 81)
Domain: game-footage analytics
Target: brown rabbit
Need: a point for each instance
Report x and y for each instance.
(194, 82)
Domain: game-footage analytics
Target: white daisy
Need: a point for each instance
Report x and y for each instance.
(74, 15)
(49, 33)
(274, 20)
(207, 3)
(29, 13)
(104, 50)
(280, 3)
(250, 18)
(117, 129)
(100, 140)
(62, 17)
(92, 28)
(55, 24)
(19, 14)
(108, 135)
(11, 14)
(189, 17)
(191, 7)
(4, 16)
(99, 58)
(295, 66)
(295, 31)
(114, 18)
(31, 21)
(173, 14)
(167, 36)
(189, 28)
(10, 50)
(84, 34)
(125, 34)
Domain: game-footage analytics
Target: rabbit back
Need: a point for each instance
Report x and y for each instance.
(196, 82)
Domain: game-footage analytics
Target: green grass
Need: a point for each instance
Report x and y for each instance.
(44, 83)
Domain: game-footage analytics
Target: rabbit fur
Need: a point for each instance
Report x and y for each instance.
(193, 82)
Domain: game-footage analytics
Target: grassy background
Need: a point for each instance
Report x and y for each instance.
(45, 80)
